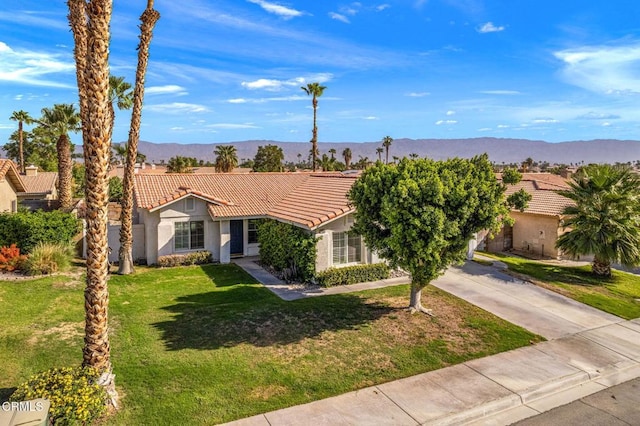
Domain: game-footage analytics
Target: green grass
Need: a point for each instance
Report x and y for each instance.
(618, 295)
(204, 345)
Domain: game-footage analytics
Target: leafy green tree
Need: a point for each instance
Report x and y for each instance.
(520, 199)
(268, 159)
(115, 189)
(315, 90)
(180, 164)
(226, 158)
(22, 117)
(39, 149)
(386, 143)
(421, 214)
(605, 220)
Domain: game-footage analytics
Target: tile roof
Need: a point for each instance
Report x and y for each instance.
(542, 187)
(9, 170)
(305, 199)
(42, 183)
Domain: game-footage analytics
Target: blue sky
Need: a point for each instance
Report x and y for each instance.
(230, 70)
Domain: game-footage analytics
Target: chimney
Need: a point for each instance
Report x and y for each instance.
(31, 170)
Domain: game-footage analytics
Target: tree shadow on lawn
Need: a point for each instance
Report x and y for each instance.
(253, 315)
(5, 393)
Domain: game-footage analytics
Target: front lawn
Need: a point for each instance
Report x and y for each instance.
(618, 295)
(204, 345)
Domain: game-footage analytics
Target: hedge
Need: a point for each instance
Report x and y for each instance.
(287, 249)
(353, 274)
(193, 258)
(27, 229)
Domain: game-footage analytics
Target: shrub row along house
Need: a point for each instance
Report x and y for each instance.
(182, 213)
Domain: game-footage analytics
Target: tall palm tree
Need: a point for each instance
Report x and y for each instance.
(315, 90)
(386, 143)
(346, 154)
(59, 121)
(120, 151)
(333, 151)
(379, 151)
(119, 94)
(605, 220)
(148, 20)
(226, 158)
(90, 27)
(22, 117)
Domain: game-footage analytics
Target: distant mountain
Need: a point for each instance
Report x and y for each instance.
(499, 150)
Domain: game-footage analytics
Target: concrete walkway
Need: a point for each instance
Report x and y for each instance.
(587, 351)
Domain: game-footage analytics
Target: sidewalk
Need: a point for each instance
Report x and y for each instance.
(587, 351)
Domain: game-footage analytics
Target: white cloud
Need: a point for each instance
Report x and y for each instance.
(18, 97)
(232, 126)
(170, 89)
(177, 108)
(503, 126)
(276, 9)
(370, 117)
(177, 128)
(499, 92)
(31, 68)
(237, 101)
(339, 17)
(544, 120)
(597, 116)
(602, 69)
(441, 122)
(263, 83)
(450, 112)
(485, 129)
(275, 85)
(382, 7)
(417, 94)
(490, 28)
(606, 124)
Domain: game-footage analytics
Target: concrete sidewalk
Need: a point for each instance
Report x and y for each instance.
(588, 351)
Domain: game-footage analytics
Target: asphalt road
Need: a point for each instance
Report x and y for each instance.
(616, 406)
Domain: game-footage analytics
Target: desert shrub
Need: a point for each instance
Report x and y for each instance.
(47, 258)
(27, 229)
(75, 397)
(10, 258)
(287, 249)
(353, 274)
(193, 258)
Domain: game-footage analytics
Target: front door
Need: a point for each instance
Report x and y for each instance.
(237, 237)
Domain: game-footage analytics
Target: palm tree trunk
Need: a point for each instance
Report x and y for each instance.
(65, 173)
(125, 255)
(21, 148)
(314, 138)
(600, 267)
(90, 24)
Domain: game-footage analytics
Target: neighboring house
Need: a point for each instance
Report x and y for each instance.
(39, 185)
(535, 230)
(11, 185)
(219, 213)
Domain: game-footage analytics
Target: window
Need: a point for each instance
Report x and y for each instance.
(189, 204)
(346, 248)
(189, 235)
(252, 229)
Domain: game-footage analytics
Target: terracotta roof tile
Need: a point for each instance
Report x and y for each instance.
(301, 198)
(543, 201)
(43, 182)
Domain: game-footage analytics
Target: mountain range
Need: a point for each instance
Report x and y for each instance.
(499, 150)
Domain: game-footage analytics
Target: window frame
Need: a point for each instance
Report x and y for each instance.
(252, 234)
(186, 204)
(191, 234)
(342, 258)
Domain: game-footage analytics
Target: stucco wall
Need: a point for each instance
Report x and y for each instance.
(324, 246)
(138, 249)
(8, 198)
(535, 234)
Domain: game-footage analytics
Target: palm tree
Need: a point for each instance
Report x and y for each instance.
(22, 117)
(386, 143)
(605, 220)
(526, 164)
(226, 158)
(333, 151)
(120, 151)
(346, 154)
(59, 121)
(148, 20)
(379, 151)
(413, 156)
(315, 90)
(90, 27)
(119, 94)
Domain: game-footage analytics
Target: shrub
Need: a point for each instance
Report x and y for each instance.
(353, 274)
(193, 258)
(287, 249)
(47, 258)
(10, 258)
(73, 393)
(27, 229)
